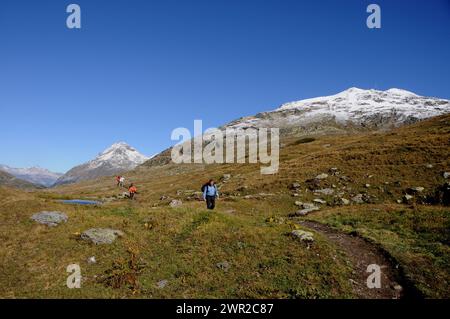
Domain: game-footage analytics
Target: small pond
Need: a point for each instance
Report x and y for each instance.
(81, 202)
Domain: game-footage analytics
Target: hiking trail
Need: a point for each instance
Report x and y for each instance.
(362, 253)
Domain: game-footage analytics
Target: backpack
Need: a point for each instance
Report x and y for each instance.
(204, 187)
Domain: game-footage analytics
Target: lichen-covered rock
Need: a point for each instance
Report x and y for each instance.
(100, 236)
(303, 235)
(50, 219)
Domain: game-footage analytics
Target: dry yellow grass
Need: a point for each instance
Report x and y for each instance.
(183, 245)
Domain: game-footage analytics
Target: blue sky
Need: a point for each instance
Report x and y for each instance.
(138, 69)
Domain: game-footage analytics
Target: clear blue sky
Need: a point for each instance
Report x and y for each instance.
(138, 69)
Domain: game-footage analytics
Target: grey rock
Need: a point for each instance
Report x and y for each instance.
(418, 189)
(226, 177)
(175, 203)
(162, 284)
(407, 198)
(294, 186)
(50, 219)
(319, 201)
(321, 176)
(358, 199)
(333, 171)
(100, 236)
(91, 260)
(446, 174)
(325, 191)
(303, 235)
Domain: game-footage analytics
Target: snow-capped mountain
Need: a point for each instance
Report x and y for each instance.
(120, 157)
(35, 175)
(353, 107)
(351, 110)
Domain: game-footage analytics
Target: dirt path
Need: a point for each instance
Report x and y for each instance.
(361, 254)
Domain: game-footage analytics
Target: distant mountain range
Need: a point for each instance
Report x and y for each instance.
(9, 180)
(118, 158)
(34, 175)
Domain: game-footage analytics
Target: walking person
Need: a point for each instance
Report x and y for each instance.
(210, 193)
(132, 190)
(118, 180)
(121, 181)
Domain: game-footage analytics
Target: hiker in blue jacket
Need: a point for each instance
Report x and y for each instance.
(210, 194)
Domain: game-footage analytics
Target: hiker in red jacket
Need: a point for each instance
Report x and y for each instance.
(118, 180)
(132, 190)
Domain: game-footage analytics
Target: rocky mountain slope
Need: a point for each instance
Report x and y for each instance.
(118, 158)
(353, 110)
(35, 175)
(8, 180)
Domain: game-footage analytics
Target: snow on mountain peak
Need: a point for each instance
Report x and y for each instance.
(354, 103)
(120, 155)
(364, 108)
(117, 158)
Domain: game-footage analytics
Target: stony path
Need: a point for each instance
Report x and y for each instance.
(361, 254)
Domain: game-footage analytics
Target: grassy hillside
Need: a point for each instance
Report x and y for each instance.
(243, 248)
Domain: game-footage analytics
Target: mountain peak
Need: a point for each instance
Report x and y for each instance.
(117, 158)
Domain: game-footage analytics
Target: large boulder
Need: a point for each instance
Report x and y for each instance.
(50, 219)
(100, 236)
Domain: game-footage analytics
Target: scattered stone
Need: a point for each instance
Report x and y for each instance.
(295, 195)
(303, 235)
(306, 209)
(325, 191)
(309, 206)
(175, 203)
(320, 201)
(446, 175)
(298, 203)
(399, 201)
(248, 197)
(101, 236)
(321, 176)
(163, 197)
(333, 171)
(429, 166)
(358, 199)
(226, 177)
(294, 186)
(367, 185)
(91, 260)
(162, 284)
(50, 219)
(417, 189)
(341, 201)
(224, 265)
(407, 198)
